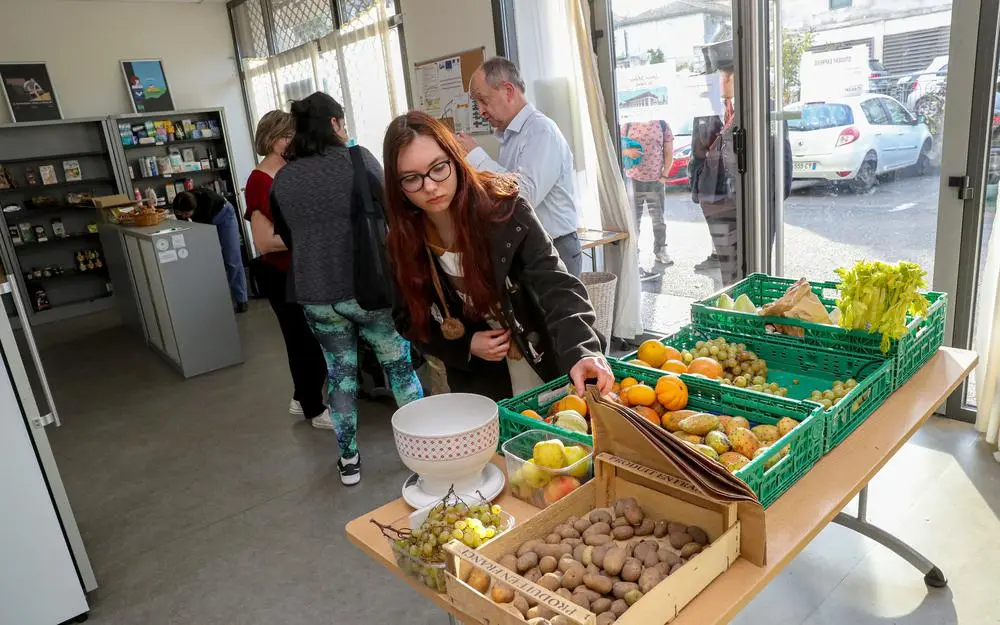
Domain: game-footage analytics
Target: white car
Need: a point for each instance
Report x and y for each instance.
(927, 82)
(856, 139)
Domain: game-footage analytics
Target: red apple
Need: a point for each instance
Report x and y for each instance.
(559, 487)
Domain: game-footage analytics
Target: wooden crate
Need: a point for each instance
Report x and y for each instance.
(661, 496)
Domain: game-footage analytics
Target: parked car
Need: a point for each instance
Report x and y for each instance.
(856, 140)
(878, 78)
(678, 175)
(928, 83)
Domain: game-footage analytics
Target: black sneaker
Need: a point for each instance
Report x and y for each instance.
(350, 469)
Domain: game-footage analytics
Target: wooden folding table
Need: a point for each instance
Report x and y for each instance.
(792, 521)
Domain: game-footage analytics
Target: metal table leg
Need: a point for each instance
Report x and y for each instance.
(932, 575)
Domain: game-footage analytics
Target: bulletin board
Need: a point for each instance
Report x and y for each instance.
(442, 90)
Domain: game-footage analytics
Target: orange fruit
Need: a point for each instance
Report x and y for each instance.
(627, 382)
(531, 414)
(648, 414)
(572, 402)
(641, 395)
(674, 366)
(708, 367)
(638, 362)
(653, 352)
(673, 354)
(672, 392)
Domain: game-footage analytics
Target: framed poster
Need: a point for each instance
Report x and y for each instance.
(147, 86)
(29, 92)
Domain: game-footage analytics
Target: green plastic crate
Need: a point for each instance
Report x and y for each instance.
(909, 353)
(814, 369)
(805, 442)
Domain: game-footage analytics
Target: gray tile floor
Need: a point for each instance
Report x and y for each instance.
(203, 502)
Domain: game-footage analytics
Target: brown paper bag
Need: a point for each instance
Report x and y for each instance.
(620, 431)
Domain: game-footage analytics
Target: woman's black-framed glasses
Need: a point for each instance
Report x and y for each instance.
(440, 172)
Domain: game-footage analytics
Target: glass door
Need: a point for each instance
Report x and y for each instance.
(859, 94)
(677, 111)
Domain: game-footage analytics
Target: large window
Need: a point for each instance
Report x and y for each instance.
(350, 49)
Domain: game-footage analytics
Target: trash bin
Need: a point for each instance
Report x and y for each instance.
(602, 287)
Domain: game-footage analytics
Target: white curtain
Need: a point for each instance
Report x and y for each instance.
(555, 55)
(360, 65)
(987, 344)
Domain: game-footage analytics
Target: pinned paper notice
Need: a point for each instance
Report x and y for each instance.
(178, 240)
(168, 257)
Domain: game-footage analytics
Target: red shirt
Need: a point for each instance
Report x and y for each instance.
(258, 196)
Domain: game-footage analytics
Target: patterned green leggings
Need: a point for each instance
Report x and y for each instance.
(337, 327)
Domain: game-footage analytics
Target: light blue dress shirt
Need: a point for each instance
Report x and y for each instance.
(533, 148)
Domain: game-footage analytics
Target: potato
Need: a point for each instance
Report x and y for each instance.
(698, 535)
(633, 512)
(649, 579)
(674, 568)
(533, 575)
(645, 527)
(663, 568)
(581, 600)
(572, 519)
(623, 533)
(600, 516)
(596, 540)
(668, 556)
(479, 580)
(631, 570)
(619, 589)
(618, 607)
(588, 593)
(521, 604)
(553, 539)
(556, 551)
(559, 619)
(597, 557)
(566, 563)
(643, 548)
(509, 562)
(581, 525)
(621, 503)
(598, 583)
(690, 550)
(651, 559)
(547, 564)
(510, 607)
(587, 557)
(614, 560)
(502, 593)
(571, 542)
(527, 546)
(566, 531)
(593, 569)
(550, 581)
(630, 547)
(573, 577)
(527, 561)
(633, 596)
(565, 594)
(606, 618)
(679, 539)
(597, 528)
(534, 614)
(578, 552)
(620, 522)
(676, 528)
(660, 529)
(600, 606)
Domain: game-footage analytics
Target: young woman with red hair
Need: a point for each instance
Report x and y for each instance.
(479, 284)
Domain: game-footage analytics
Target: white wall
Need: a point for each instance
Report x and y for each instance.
(435, 28)
(83, 42)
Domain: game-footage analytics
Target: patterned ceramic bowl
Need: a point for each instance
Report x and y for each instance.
(447, 440)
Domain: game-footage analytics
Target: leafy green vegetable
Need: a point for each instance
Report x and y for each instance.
(877, 297)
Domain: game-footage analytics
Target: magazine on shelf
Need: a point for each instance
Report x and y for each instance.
(48, 173)
(72, 171)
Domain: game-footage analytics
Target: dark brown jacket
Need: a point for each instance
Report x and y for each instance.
(547, 310)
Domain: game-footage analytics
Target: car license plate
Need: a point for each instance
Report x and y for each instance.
(804, 166)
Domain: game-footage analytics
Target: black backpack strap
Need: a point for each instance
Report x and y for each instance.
(362, 185)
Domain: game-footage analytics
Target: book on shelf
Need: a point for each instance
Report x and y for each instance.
(31, 176)
(171, 191)
(48, 173)
(188, 155)
(72, 171)
(164, 166)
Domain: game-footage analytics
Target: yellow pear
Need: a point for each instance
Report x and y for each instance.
(533, 475)
(573, 455)
(549, 454)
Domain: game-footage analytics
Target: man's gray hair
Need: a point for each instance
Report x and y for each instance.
(499, 70)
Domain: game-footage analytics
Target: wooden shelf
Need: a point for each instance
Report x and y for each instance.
(170, 143)
(54, 157)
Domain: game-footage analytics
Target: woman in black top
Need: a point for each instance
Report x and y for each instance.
(311, 201)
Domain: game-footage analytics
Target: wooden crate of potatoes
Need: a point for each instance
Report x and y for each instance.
(632, 546)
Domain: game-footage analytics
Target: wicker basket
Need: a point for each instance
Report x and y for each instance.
(602, 287)
(150, 218)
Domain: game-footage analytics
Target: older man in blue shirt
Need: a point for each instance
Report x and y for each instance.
(532, 146)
